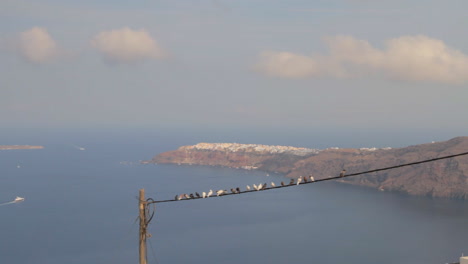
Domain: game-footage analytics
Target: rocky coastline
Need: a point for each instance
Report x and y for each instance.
(445, 178)
(10, 147)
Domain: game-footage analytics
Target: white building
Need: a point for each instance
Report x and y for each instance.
(464, 260)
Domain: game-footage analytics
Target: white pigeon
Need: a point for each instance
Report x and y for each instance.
(255, 187)
(311, 178)
(248, 188)
(273, 184)
(203, 194)
(299, 180)
(219, 192)
(210, 193)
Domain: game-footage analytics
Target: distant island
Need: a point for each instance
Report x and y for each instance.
(8, 147)
(445, 178)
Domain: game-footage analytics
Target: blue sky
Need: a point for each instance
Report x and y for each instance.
(313, 65)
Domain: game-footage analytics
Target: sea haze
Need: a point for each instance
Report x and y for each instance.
(81, 207)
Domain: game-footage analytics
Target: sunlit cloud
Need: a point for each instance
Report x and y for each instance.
(408, 58)
(37, 46)
(127, 46)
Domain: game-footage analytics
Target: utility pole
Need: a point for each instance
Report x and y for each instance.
(143, 225)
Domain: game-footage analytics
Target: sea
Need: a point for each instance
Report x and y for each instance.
(81, 207)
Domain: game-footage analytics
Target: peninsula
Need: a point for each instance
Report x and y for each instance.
(9, 147)
(445, 178)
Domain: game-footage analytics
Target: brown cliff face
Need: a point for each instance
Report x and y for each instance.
(444, 178)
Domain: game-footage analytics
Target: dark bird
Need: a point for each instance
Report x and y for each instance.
(238, 190)
(282, 183)
(291, 182)
(264, 186)
(343, 172)
(191, 196)
(197, 194)
(305, 179)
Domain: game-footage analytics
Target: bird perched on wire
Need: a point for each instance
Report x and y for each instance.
(209, 193)
(305, 179)
(178, 198)
(197, 194)
(220, 192)
(248, 188)
(186, 196)
(203, 194)
(264, 186)
(238, 190)
(343, 172)
(311, 178)
(282, 183)
(291, 182)
(191, 196)
(273, 184)
(299, 180)
(233, 190)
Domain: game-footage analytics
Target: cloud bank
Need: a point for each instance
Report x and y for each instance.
(409, 58)
(127, 46)
(37, 46)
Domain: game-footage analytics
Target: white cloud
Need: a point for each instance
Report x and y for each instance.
(287, 65)
(126, 45)
(37, 46)
(410, 58)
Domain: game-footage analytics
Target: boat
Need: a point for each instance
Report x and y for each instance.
(18, 199)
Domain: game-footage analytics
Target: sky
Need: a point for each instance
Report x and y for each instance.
(349, 65)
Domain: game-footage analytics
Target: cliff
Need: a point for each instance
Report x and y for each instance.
(445, 178)
(8, 147)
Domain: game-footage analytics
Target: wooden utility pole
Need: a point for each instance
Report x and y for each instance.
(143, 223)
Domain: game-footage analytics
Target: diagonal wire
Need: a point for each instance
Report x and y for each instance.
(320, 180)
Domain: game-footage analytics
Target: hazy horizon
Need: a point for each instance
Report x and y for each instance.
(299, 66)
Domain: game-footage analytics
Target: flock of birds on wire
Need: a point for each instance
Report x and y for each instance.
(254, 187)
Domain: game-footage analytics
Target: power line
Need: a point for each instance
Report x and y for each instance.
(151, 201)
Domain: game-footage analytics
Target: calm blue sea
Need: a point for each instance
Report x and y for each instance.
(81, 208)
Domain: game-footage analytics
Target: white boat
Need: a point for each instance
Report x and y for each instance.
(18, 199)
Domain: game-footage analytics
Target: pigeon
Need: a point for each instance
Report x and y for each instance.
(219, 192)
(299, 180)
(248, 188)
(177, 198)
(291, 182)
(305, 179)
(197, 194)
(233, 190)
(282, 183)
(238, 190)
(186, 196)
(311, 178)
(273, 184)
(203, 194)
(209, 193)
(255, 186)
(191, 196)
(343, 172)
